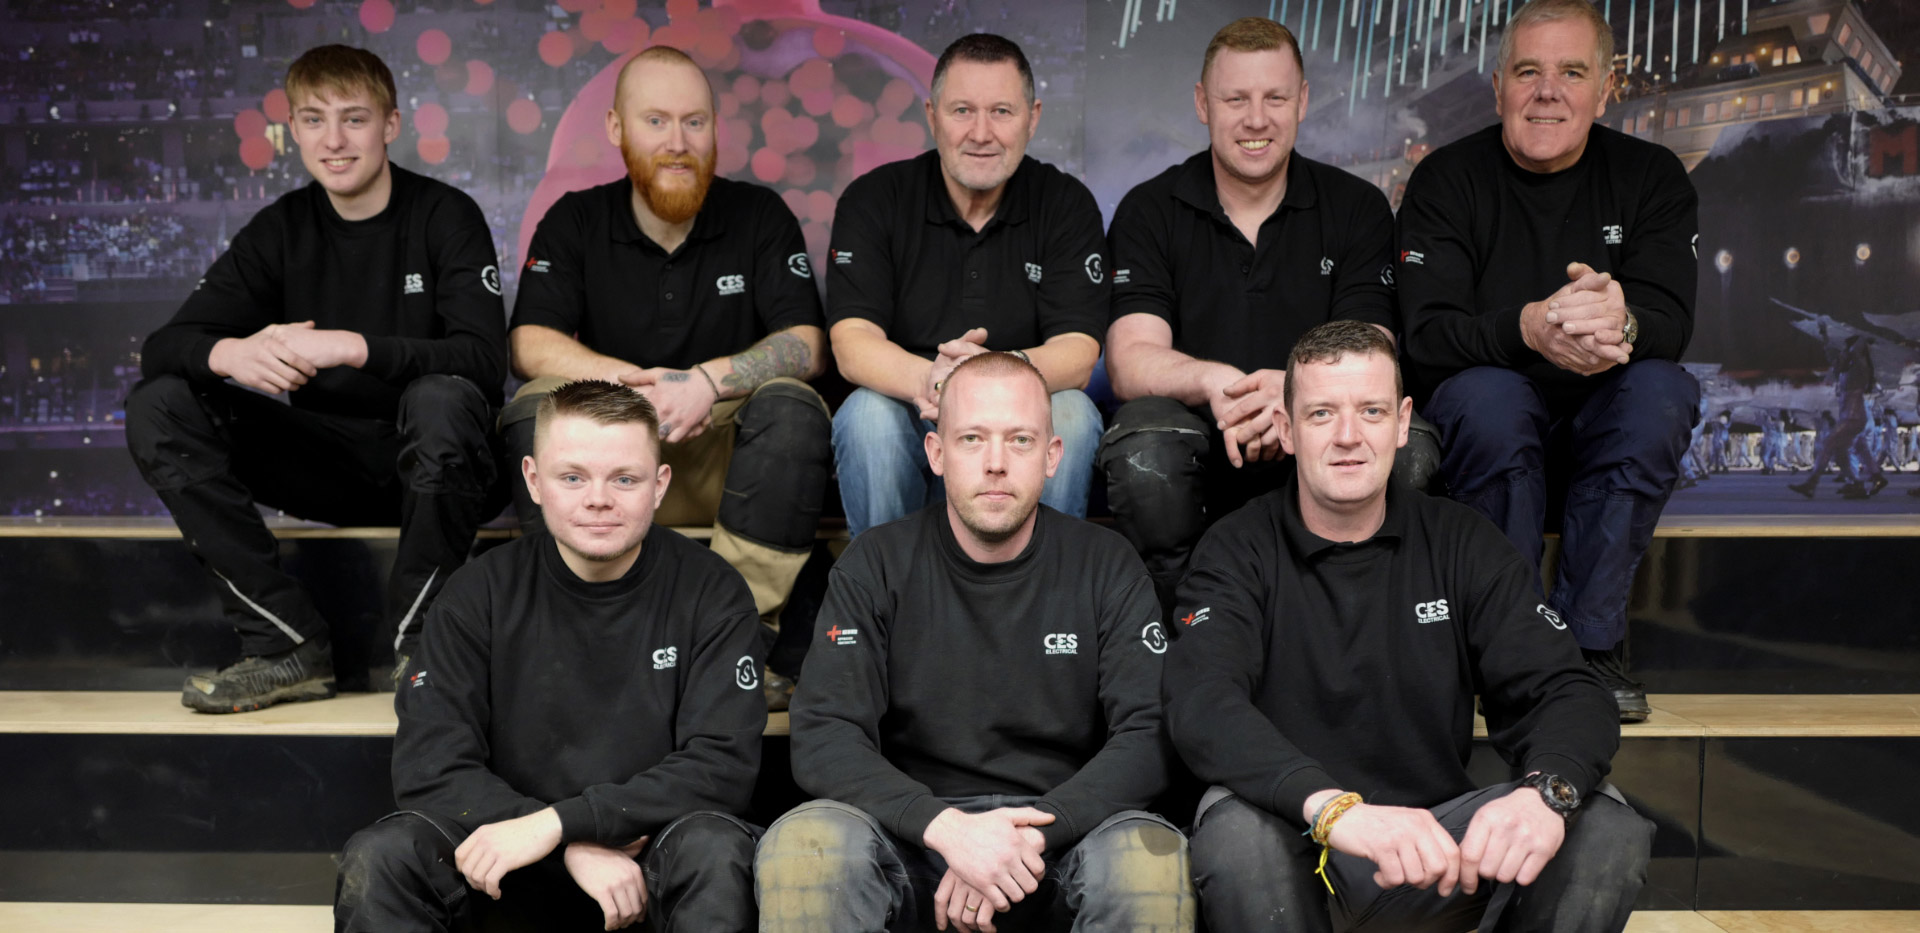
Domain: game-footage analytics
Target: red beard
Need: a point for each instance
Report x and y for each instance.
(673, 203)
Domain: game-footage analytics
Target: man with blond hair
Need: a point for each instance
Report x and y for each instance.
(1220, 263)
(696, 292)
(980, 716)
(583, 730)
(371, 298)
(1546, 278)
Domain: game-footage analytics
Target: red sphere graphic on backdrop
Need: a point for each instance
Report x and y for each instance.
(807, 101)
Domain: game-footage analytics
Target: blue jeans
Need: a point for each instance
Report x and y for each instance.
(880, 453)
(1615, 455)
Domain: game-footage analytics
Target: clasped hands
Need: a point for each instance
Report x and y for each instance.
(609, 875)
(1508, 840)
(1582, 327)
(993, 861)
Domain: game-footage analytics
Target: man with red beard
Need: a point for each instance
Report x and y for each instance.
(696, 292)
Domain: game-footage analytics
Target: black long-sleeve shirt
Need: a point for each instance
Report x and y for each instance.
(623, 704)
(935, 676)
(1480, 237)
(418, 280)
(1304, 664)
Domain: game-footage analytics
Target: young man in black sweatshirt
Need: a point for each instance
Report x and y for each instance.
(695, 291)
(372, 298)
(583, 727)
(981, 714)
(1332, 636)
(1546, 293)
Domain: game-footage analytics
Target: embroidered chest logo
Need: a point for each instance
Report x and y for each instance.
(538, 265)
(798, 265)
(1061, 643)
(1033, 272)
(732, 284)
(842, 257)
(843, 636)
(746, 673)
(1154, 637)
(666, 658)
(1122, 276)
(418, 680)
(1386, 275)
(1196, 617)
(1613, 234)
(1326, 266)
(1553, 618)
(415, 284)
(1435, 611)
(1094, 270)
(1413, 258)
(490, 277)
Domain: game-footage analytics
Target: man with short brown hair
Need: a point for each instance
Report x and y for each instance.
(582, 732)
(370, 297)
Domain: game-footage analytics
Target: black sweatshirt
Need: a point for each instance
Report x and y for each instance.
(1303, 665)
(934, 676)
(623, 704)
(418, 280)
(1480, 237)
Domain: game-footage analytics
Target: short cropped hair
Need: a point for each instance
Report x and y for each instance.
(983, 48)
(600, 402)
(1253, 34)
(657, 53)
(996, 363)
(341, 70)
(1548, 11)
(1329, 342)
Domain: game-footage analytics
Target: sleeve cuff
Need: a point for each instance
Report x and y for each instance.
(1291, 793)
(1060, 834)
(916, 816)
(380, 356)
(200, 361)
(576, 820)
(1506, 335)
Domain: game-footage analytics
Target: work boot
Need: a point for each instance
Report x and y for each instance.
(1806, 488)
(1629, 694)
(303, 672)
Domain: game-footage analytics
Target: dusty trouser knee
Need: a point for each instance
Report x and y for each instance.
(398, 875)
(776, 484)
(1154, 458)
(826, 866)
(1130, 873)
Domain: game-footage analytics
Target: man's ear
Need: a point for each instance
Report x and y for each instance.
(662, 478)
(1406, 420)
(531, 475)
(1284, 423)
(936, 453)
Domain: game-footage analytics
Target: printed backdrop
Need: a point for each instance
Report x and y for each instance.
(139, 135)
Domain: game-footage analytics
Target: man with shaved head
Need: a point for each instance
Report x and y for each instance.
(980, 717)
(696, 292)
(1546, 275)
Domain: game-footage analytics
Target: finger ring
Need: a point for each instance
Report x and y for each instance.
(939, 386)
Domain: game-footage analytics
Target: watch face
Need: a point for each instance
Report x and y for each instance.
(1563, 792)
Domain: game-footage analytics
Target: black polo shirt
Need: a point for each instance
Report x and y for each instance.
(904, 259)
(742, 274)
(1325, 254)
(1304, 664)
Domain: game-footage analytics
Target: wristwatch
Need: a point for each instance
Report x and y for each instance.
(1560, 796)
(1630, 334)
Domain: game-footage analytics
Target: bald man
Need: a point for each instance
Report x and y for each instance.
(696, 292)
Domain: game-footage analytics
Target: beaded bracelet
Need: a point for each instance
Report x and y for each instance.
(1330, 812)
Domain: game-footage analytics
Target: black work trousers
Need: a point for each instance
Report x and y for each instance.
(398, 876)
(1255, 871)
(214, 450)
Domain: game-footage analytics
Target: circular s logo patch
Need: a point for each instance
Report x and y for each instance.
(1094, 269)
(746, 673)
(1553, 618)
(1154, 637)
(490, 277)
(798, 265)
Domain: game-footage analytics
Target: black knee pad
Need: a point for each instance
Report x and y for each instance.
(1419, 461)
(1154, 459)
(709, 839)
(782, 461)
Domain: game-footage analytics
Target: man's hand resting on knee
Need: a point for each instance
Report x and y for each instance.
(612, 878)
(997, 853)
(1405, 844)
(1510, 839)
(498, 848)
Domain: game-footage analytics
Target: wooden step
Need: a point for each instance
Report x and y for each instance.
(97, 712)
(198, 918)
(1755, 715)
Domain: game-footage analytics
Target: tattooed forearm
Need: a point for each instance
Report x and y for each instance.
(782, 354)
